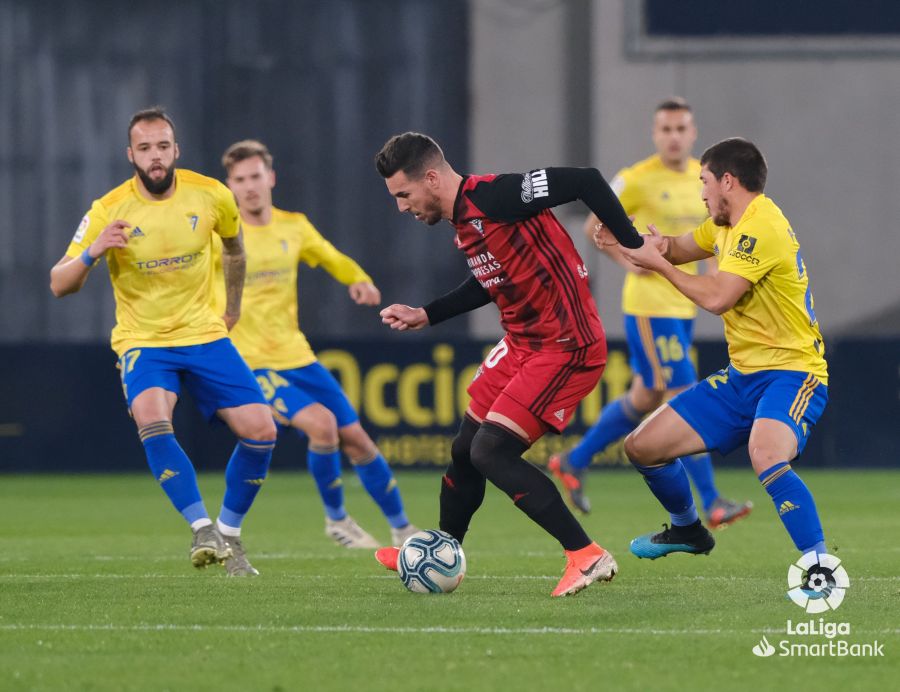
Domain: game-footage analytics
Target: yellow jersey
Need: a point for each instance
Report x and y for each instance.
(773, 326)
(267, 334)
(670, 200)
(162, 280)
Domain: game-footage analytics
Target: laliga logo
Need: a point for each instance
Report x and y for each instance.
(817, 582)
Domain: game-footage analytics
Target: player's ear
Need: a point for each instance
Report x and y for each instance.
(177, 151)
(130, 154)
(271, 178)
(432, 178)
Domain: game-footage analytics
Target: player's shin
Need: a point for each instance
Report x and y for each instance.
(462, 486)
(700, 469)
(174, 471)
(379, 482)
(497, 454)
(324, 465)
(795, 506)
(244, 476)
(670, 484)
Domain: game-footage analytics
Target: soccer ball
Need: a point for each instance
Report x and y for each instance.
(431, 562)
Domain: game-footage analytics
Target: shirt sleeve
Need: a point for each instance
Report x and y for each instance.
(517, 196)
(226, 213)
(315, 251)
(627, 191)
(93, 223)
(753, 255)
(705, 235)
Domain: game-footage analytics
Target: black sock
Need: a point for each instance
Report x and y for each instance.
(462, 487)
(497, 454)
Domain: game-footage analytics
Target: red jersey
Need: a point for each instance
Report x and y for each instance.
(526, 261)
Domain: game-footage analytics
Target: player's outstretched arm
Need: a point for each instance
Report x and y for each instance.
(69, 274)
(606, 242)
(234, 266)
(682, 249)
(364, 293)
(404, 317)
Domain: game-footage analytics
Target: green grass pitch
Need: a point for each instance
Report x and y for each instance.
(97, 593)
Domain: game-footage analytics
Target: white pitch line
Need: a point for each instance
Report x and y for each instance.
(363, 629)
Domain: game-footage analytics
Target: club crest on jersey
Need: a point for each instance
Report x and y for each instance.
(193, 219)
(534, 185)
(478, 224)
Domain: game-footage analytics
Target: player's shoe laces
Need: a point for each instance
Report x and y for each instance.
(724, 512)
(398, 536)
(693, 539)
(572, 480)
(584, 567)
(238, 565)
(348, 533)
(388, 557)
(208, 547)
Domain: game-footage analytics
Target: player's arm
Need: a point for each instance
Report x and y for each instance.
(469, 295)
(234, 267)
(514, 196)
(716, 293)
(70, 273)
(316, 250)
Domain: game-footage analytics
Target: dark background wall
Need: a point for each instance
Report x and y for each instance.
(324, 84)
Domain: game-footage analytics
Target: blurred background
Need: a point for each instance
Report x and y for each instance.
(503, 85)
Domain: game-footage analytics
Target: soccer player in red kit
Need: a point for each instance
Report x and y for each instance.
(554, 349)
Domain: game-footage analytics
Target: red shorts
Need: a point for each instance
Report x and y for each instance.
(536, 389)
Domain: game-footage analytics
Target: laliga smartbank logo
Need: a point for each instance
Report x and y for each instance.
(817, 583)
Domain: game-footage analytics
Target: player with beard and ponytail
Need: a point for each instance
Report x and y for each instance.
(554, 350)
(155, 231)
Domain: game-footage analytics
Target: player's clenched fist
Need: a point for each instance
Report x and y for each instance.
(365, 293)
(403, 317)
(112, 236)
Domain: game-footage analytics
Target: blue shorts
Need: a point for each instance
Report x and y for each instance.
(722, 407)
(660, 351)
(289, 391)
(214, 373)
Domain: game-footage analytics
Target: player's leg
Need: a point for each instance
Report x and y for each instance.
(377, 478)
(620, 416)
(552, 384)
(786, 414)
(370, 465)
(151, 384)
(223, 386)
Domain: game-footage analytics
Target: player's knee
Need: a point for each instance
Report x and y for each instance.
(493, 448)
(260, 427)
(356, 444)
(764, 458)
(319, 424)
(639, 451)
(461, 447)
(646, 400)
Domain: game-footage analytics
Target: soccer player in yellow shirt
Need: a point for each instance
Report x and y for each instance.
(659, 321)
(302, 393)
(156, 231)
(775, 386)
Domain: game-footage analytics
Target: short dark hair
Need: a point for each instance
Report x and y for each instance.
(246, 149)
(739, 157)
(674, 103)
(152, 113)
(412, 152)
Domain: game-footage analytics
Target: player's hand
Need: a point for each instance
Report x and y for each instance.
(230, 320)
(658, 239)
(603, 237)
(403, 317)
(112, 236)
(365, 293)
(649, 255)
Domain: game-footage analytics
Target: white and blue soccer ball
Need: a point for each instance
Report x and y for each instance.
(431, 562)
